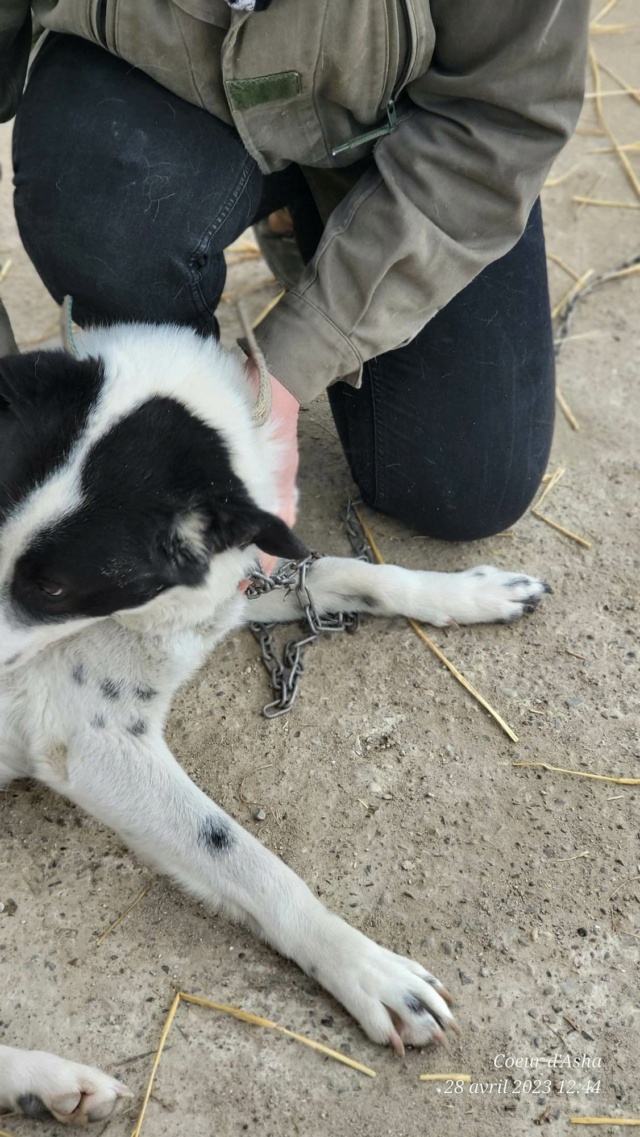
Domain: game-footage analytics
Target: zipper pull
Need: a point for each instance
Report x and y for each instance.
(371, 135)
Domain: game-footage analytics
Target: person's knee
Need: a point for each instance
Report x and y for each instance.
(470, 516)
(108, 209)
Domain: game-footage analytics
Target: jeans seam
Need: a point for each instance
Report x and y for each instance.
(205, 240)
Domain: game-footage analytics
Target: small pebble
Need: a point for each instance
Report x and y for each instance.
(464, 978)
(260, 815)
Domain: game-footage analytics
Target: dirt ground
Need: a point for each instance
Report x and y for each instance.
(390, 791)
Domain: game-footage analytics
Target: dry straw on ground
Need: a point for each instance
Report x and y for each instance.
(582, 774)
(445, 1077)
(434, 648)
(604, 1120)
(243, 1016)
(123, 915)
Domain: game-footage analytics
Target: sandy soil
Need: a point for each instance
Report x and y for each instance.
(499, 879)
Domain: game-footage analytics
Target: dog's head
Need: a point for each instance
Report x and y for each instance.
(131, 477)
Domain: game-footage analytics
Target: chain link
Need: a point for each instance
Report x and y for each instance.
(285, 671)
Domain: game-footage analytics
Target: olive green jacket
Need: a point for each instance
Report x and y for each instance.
(469, 102)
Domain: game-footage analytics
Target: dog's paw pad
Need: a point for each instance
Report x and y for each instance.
(492, 595)
(395, 1000)
(71, 1093)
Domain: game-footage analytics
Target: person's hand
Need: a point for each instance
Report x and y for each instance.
(284, 423)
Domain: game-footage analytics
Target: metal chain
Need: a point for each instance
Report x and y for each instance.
(285, 671)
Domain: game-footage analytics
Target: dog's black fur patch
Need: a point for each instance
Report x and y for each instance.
(99, 722)
(110, 689)
(145, 693)
(33, 1106)
(78, 675)
(45, 400)
(138, 728)
(215, 835)
(155, 468)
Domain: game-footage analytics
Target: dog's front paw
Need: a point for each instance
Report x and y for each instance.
(395, 1000)
(487, 595)
(48, 1086)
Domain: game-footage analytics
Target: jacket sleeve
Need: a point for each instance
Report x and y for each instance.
(447, 193)
(15, 46)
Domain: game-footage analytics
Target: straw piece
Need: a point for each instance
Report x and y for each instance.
(561, 529)
(622, 82)
(5, 1133)
(432, 647)
(549, 482)
(626, 165)
(624, 883)
(134, 904)
(566, 410)
(612, 29)
(607, 204)
(563, 265)
(589, 193)
(572, 291)
(551, 183)
(612, 150)
(581, 774)
(6, 269)
(156, 1062)
(268, 308)
(445, 1077)
(603, 12)
(243, 1016)
(614, 94)
(579, 336)
(592, 131)
(632, 270)
(604, 1120)
(257, 1020)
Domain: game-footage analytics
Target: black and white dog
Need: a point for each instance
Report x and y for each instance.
(135, 492)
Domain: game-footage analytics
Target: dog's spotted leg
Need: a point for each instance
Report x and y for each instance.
(339, 584)
(41, 1085)
(134, 784)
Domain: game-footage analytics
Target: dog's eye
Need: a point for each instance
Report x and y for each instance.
(51, 589)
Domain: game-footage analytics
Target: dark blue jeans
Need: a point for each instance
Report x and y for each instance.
(126, 197)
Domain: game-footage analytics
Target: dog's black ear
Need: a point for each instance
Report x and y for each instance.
(271, 535)
(198, 533)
